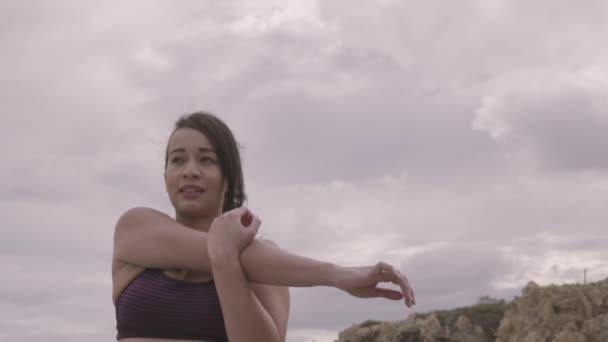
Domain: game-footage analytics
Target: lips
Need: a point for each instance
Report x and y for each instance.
(191, 192)
(191, 188)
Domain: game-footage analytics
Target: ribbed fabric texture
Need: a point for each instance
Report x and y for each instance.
(157, 306)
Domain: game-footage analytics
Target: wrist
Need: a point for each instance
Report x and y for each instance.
(218, 253)
(333, 275)
(224, 259)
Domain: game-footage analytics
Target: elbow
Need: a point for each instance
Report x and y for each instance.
(276, 334)
(281, 338)
(276, 337)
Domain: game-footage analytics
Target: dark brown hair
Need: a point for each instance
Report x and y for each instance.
(227, 150)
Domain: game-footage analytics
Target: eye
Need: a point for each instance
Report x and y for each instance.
(208, 160)
(176, 160)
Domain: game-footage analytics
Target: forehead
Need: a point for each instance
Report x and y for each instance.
(188, 138)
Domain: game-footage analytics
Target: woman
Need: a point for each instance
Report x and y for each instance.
(203, 276)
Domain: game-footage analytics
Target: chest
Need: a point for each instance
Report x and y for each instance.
(159, 305)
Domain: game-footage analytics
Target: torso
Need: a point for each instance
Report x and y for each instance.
(124, 273)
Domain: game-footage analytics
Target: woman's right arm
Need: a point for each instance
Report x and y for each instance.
(150, 238)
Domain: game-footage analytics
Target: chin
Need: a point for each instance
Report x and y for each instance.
(191, 207)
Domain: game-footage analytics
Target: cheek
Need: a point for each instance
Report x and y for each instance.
(170, 182)
(218, 181)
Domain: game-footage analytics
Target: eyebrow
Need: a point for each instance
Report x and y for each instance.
(200, 149)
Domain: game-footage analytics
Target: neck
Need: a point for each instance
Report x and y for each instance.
(200, 223)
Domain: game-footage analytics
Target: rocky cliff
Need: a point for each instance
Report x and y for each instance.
(565, 313)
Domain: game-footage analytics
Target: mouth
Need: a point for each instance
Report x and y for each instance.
(191, 191)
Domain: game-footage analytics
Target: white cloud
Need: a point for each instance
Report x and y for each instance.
(299, 17)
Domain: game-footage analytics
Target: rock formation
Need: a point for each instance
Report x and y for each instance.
(557, 313)
(475, 324)
(566, 313)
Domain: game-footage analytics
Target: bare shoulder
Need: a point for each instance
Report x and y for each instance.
(137, 214)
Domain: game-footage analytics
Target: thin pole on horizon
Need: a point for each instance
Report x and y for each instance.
(585, 277)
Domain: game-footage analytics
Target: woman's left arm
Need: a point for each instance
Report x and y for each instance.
(252, 312)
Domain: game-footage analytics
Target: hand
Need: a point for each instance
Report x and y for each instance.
(362, 282)
(231, 232)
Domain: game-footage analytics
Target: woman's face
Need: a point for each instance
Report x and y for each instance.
(193, 177)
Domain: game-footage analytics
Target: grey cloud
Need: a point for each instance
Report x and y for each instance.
(554, 204)
(336, 310)
(352, 94)
(563, 124)
(595, 243)
(459, 272)
(305, 94)
(455, 274)
(362, 139)
(56, 299)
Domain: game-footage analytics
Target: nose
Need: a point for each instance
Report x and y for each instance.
(191, 170)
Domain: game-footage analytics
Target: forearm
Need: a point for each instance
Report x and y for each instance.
(267, 264)
(244, 316)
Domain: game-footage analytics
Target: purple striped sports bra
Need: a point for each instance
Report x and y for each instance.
(155, 305)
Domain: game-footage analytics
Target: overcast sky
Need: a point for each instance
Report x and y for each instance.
(464, 142)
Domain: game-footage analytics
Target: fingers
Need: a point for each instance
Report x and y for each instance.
(407, 290)
(251, 226)
(388, 294)
(247, 218)
(255, 225)
(387, 273)
(238, 212)
(409, 296)
(249, 223)
(242, 213)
